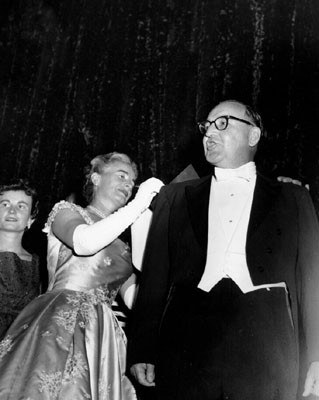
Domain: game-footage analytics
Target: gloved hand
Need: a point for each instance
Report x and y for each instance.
(147, 190)
(88, 239)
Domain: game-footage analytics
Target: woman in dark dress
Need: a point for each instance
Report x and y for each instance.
(19, 270)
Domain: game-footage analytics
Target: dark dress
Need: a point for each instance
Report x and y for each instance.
(19, 284)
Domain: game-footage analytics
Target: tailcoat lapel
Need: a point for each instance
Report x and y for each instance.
(197, 198)
(264, 195)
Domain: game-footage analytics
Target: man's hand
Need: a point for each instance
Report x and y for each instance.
(312, 380)
(144, 373)
(286, 179)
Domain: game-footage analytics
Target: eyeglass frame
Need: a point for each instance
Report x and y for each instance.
(227, 117)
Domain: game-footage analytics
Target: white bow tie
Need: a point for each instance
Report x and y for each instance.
(222, 174)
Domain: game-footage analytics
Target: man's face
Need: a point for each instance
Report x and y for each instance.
(231, 147)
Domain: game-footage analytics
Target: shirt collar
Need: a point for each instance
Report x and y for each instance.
(246, 172)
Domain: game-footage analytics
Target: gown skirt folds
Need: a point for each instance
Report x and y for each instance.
(67, 343)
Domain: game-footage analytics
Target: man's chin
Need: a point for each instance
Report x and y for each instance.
(211, 159)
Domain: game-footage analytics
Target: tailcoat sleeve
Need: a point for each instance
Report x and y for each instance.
(308, 273)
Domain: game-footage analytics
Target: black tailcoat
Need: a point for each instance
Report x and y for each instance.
(282, 246)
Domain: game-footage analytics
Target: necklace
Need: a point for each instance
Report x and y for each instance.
(96, 211)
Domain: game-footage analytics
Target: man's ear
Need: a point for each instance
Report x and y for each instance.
(254, 136)
(95, 178)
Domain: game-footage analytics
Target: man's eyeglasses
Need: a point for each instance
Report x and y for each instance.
(221, 123)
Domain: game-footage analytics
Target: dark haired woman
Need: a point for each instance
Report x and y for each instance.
(19, 270)
(68, 344)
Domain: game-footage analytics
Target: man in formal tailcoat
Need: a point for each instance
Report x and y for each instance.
(228, 304)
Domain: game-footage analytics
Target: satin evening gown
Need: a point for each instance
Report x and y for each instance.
(67, 343)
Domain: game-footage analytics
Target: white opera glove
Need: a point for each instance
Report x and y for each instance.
(139, 234)
(89, 239)
(147, 190)
(128, 291)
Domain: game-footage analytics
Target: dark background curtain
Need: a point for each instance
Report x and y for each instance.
(84, 77)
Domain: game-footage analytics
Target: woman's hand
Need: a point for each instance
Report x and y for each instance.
(150, 187)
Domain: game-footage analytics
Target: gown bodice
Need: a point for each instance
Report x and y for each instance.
(110, 267)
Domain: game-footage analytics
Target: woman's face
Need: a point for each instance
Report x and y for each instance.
(113, 187)
(15, 210)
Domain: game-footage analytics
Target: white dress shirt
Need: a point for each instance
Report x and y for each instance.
(231, 197)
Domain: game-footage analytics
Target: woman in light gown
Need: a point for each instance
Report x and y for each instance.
(67, 343)
(19, 270)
